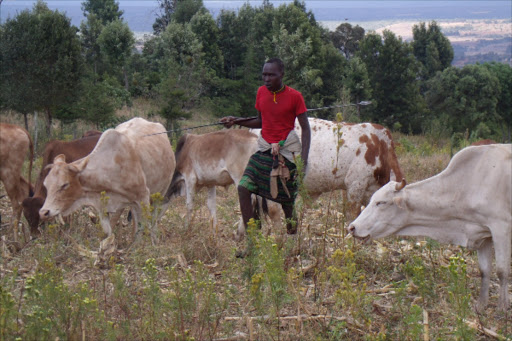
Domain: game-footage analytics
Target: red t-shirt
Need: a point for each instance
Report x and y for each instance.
(278, 118)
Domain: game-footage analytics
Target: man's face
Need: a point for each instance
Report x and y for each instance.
(272, 77)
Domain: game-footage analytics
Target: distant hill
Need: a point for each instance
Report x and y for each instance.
(473, 40)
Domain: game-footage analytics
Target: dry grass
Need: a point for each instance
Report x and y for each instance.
(190, 285)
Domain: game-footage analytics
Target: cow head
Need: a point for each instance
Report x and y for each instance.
(384, 214)
(31, 207)
(63, 186)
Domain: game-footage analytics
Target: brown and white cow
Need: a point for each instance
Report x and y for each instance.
(126, 166)
(468, 204)
(209, 160)
(72, 150)
(14, 144)
(356, 158)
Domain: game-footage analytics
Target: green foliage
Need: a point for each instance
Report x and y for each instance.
(106, 10)
(346, 38)
(116, 43)
(40, 61)
(431, 48)
(393, 71)
(350, 282)
(459, 296)
(268, 279)
(186, 9)
(464, 98)
(53, 309)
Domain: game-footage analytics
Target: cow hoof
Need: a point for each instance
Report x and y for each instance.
(241, 254)
(291, 230)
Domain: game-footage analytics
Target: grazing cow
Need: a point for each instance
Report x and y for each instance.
(126, 166)
(358, 158)
(72, 150)
(468, 204)
(209, 160)
(14, 144)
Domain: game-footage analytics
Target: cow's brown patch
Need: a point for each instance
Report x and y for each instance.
(358, 151)
(363, 125)
(377, 126)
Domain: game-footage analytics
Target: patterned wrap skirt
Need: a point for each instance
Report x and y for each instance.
(256, 178)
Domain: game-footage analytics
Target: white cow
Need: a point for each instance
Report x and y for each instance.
(209, 160)
(126, 164)
(468, 204)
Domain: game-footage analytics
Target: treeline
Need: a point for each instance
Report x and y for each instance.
(195, 63)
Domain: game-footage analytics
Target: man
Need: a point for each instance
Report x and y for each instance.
(278, 105)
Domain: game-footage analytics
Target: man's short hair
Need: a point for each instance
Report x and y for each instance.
(276, 61)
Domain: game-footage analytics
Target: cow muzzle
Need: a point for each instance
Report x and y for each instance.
(44, 214)
(352, 230)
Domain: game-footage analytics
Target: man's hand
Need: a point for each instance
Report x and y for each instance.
(228, 121)
(275, 148)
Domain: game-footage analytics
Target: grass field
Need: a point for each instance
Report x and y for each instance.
(318, 285)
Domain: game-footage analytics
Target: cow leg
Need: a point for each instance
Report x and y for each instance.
(189, 188)
(244, 196)
(105, 223)
(485, 265)
(114, 218)
(14, 194)
(503, 249)
(211, 202)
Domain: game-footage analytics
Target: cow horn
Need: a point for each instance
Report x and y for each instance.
(400, 186)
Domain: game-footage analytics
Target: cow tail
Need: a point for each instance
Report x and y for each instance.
(393, 163)
(174, 189)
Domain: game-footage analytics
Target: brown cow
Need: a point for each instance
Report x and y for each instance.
(210, 160)
(72, 150)
(14, 143)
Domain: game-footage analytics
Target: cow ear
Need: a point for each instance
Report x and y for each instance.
(73, 169)
(59, 158)
(400, 202)
(77, 167)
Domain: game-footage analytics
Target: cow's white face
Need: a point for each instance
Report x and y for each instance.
(63, 187)
(384, 215)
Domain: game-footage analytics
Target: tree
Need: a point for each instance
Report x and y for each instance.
(116, 43)
(393, 74)
(346, 38)
(465, 99)
(186, 9)
(207, 32)
(41, 61)
(357, 82)
(105, 10)
(504, 106)
(167, 8)
(432, 49)
(90, 31)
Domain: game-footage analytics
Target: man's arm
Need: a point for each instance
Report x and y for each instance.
(306, 137)
(229, 121)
